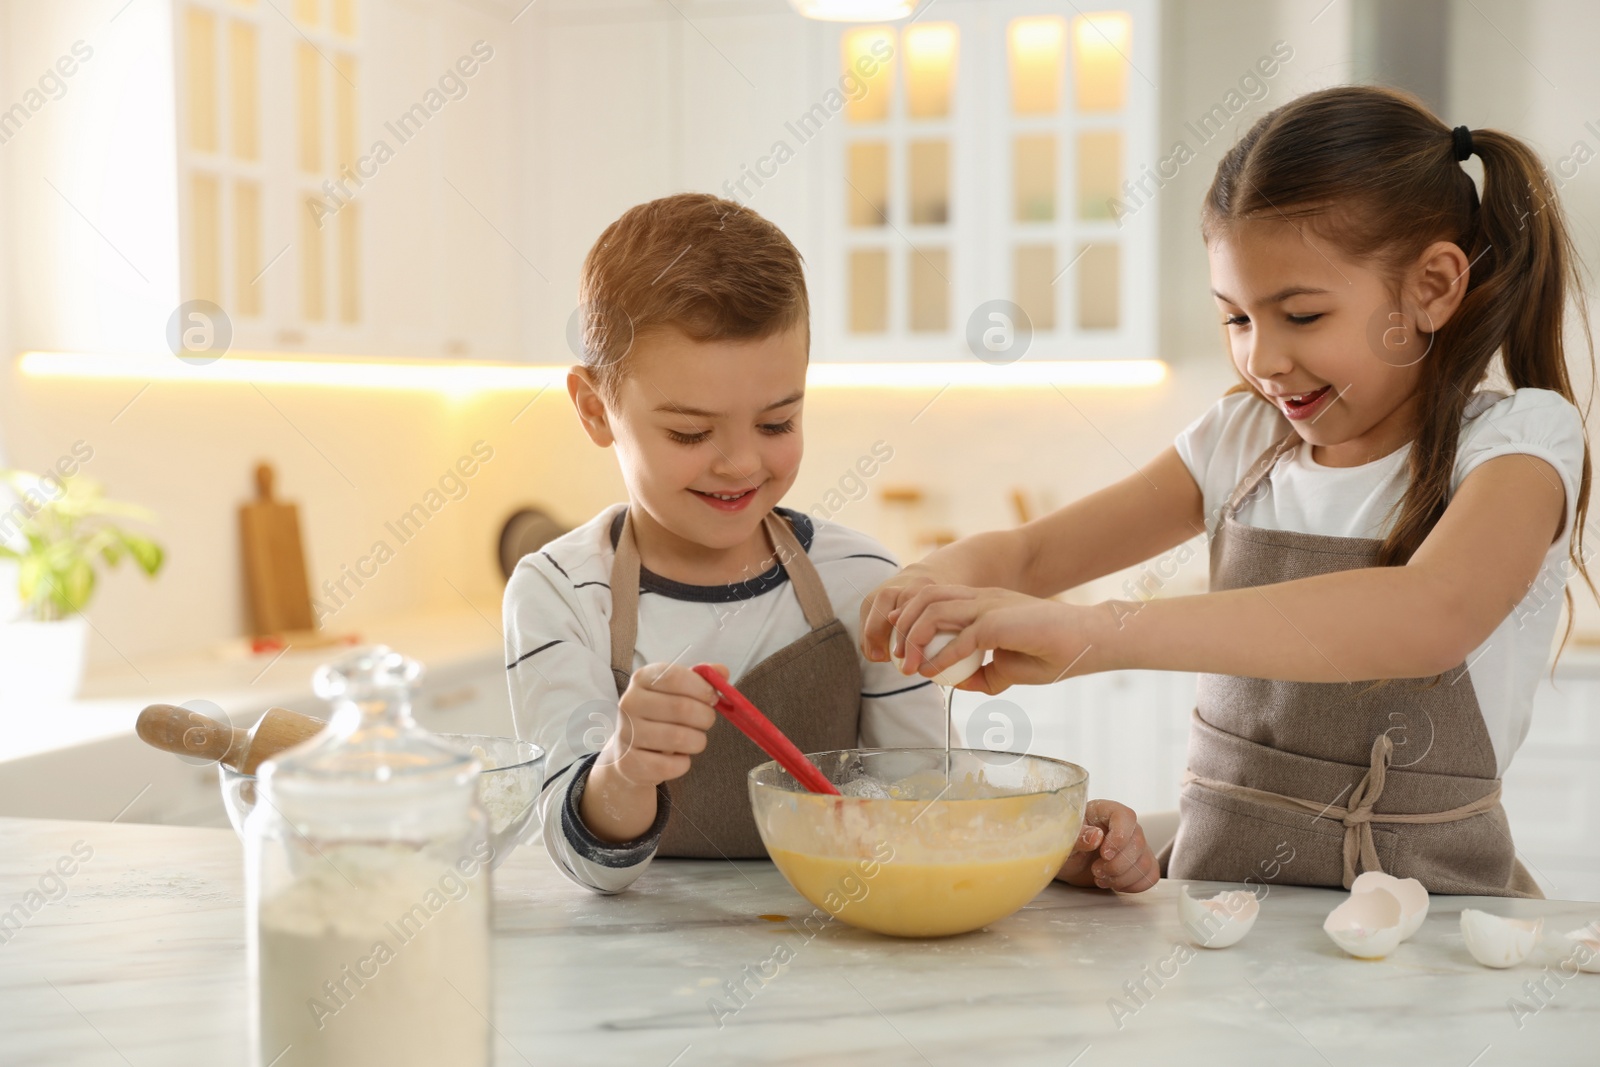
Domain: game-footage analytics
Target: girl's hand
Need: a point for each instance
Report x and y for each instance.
(878, 606)
(1111, 851)
(1035, 642)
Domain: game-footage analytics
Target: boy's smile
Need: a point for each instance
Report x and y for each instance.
(708, 438)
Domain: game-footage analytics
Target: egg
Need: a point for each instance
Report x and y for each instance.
(1409, 892)
(1368, 925)
(1219, 921)
(1587, 937)
(1497, 942)
(954, 674)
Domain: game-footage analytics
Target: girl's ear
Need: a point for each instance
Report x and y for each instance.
(591, 406)
(1437, 284)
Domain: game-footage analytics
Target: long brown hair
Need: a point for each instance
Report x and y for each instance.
(1375, 172)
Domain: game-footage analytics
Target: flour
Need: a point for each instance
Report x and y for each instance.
(506, 796)
(376, 955)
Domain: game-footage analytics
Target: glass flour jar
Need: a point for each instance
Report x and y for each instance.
(367, 886)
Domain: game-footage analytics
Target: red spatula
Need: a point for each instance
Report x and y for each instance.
(758, 728)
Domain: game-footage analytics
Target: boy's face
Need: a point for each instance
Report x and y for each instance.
(708, 433)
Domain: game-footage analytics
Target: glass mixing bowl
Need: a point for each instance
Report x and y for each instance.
(903, 852)
(508, 788)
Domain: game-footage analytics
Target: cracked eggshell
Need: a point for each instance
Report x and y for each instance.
(1586, 937)
(957, 672)
(1497, 942)
(1368, 925)
(1219, 921)
(1408, 891)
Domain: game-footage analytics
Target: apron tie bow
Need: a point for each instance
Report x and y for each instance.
(1358, 840)
(1360, 849)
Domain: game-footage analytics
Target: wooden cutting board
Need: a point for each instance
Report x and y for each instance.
(274, 562)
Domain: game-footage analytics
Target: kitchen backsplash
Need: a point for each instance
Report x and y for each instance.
(392, 525)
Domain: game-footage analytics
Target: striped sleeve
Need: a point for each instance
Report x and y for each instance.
(563, 698)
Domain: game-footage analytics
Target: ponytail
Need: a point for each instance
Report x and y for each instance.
(1382, 150)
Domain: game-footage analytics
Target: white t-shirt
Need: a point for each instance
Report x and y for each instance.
(1304, 496)
(557, 613)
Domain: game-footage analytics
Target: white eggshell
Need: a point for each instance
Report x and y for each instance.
(957, 672)
(1408, 891)
(1219, 921)
(1497, 942)
(1588, 937)
(1367, 925)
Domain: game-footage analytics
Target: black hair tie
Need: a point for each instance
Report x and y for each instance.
(1461, 139)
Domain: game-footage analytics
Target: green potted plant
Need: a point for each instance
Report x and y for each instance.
(59, 531)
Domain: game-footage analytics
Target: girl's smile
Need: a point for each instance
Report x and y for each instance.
(1302, 405)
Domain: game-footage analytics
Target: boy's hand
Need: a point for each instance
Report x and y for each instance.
(665, 714)
(1110, 851)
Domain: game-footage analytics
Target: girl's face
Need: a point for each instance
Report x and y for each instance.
(1321, 337)
(708, 436)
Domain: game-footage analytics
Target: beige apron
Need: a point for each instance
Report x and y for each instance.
(1311, 783)
(810, 689)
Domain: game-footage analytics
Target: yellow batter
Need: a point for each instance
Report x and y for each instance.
(918, 899)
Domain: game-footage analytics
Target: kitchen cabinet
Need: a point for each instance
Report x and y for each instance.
(366, 218)
(914, 218)
(335, 176)
(424, 177)
(973, 196)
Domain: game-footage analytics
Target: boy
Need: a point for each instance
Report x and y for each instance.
(696, 342)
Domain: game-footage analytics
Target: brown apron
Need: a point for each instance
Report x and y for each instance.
(810, 689)
(1311, 783)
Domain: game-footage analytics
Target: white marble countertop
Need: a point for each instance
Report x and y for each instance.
(142, 962)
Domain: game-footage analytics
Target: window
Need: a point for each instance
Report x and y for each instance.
(262, 237)
(982, 157)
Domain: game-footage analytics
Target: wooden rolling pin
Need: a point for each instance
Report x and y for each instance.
(189, 733)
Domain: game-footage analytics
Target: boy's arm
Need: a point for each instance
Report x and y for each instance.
(563, 699)
(1146, 513)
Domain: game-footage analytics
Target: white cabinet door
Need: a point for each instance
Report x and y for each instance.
(599, 129)
(445, 255)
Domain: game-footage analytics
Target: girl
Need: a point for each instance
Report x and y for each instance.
(1386, 535)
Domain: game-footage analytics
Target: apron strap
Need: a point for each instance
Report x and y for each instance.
(1259, 471)
(1357, 815)
(803, 576)
(808, 588)
(624, 604)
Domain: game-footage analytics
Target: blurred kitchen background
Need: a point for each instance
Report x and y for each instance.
(383, 204)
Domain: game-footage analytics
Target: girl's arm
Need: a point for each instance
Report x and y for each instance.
(1141, 516)
(1417, 620)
